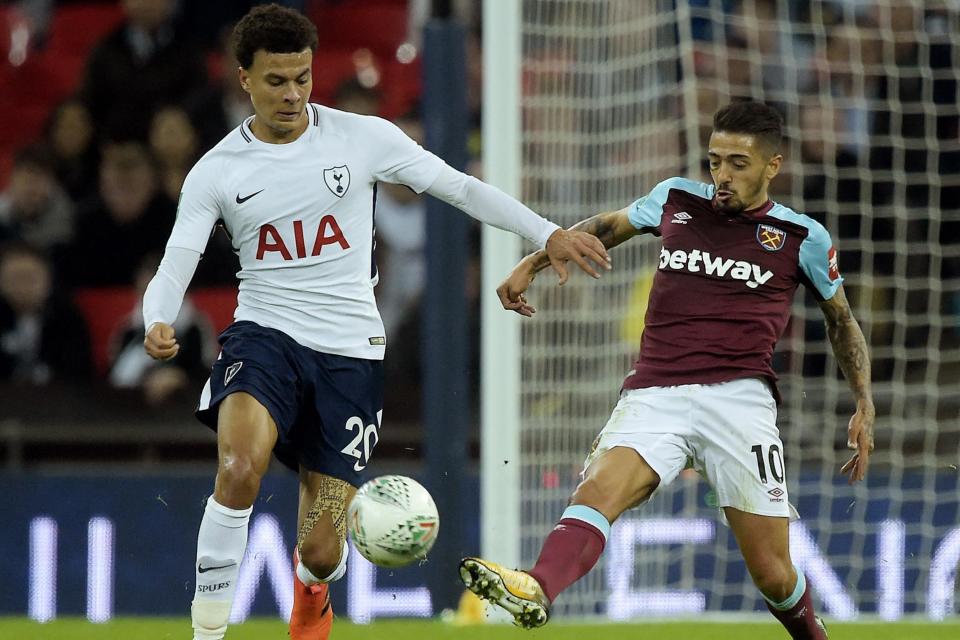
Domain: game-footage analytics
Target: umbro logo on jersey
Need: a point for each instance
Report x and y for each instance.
(244, 199)
(681, 218)
(697, 261)
(337, 179)
(231, 372)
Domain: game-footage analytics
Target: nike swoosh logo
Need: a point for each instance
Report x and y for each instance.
(242, 200)
(203, 569)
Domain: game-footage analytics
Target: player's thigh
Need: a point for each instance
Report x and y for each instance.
(322, 515)
(339, 425)
(764, 542)
(738, 447)
(246, 433)
(642, 446)
(616, 480)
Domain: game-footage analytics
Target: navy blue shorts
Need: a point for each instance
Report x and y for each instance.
(327, 407)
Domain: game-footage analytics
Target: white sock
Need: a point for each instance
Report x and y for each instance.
(306, 576)
(220, 547)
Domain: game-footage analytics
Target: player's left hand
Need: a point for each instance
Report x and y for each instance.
(859, 438)
(511, 291)
(582, 248)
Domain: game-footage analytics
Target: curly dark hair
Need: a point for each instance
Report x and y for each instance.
(274, 29)
(752, 118)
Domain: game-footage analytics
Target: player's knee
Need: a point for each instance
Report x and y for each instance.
(239, 476)
(611, 497)
(774, 579)
(321, 557)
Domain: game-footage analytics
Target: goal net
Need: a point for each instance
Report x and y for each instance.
(618, 95)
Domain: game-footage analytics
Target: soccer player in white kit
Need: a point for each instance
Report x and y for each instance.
(300, 371)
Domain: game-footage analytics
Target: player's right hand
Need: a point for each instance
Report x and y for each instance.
(585, 249)
(511, 291)
(160, 342)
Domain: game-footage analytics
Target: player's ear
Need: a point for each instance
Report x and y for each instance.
(773, 166)
(244, 77)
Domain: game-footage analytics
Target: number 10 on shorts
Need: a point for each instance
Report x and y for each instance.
(775, 460)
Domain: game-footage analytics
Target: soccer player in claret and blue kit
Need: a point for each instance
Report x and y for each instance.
(300, 370)
(703, 391)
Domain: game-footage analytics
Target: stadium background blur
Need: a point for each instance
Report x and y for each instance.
(106, 105)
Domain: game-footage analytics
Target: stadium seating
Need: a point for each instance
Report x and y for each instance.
(380, 27)
(106, 309)
(331, 67)
(76, 28)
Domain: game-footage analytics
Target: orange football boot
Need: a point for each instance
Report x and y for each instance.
(312, 615)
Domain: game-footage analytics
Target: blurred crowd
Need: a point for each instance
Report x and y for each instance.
(109, 104)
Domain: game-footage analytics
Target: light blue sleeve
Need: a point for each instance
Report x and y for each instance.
(818, 259)
(645, 213)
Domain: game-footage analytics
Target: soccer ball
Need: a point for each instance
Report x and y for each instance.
(393, 521)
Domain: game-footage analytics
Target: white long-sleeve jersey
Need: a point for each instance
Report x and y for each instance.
(301, 217)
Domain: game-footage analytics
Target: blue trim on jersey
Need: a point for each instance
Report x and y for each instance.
(589, 515)
(646, 212)
(794, 597)
(814, 251)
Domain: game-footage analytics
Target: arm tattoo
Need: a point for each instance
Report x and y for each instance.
(601, 225)
(849, 346)
(331, 498)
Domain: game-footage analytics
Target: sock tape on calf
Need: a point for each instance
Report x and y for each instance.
(794, 597)
(589, 515)
(308, 578)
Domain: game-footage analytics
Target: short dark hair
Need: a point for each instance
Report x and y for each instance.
(752, 118)
(274, 29)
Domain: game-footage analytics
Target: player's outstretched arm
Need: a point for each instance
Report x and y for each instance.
(494, 207)
(611, 228)
(850, 349)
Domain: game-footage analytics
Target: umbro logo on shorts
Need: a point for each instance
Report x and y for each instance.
(231, 372)
(777, 494)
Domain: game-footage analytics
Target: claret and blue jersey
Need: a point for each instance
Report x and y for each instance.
(722, 294)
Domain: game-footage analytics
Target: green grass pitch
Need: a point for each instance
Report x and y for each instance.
(179, 629)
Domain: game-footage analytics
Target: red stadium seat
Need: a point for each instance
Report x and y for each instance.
(217, 303)
(41, 82)
(6, 164)
(76, 28)
(401, 88)
(106, 309)
(331, 67)
(380, 27)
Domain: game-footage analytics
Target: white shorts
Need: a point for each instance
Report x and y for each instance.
(726, 431)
